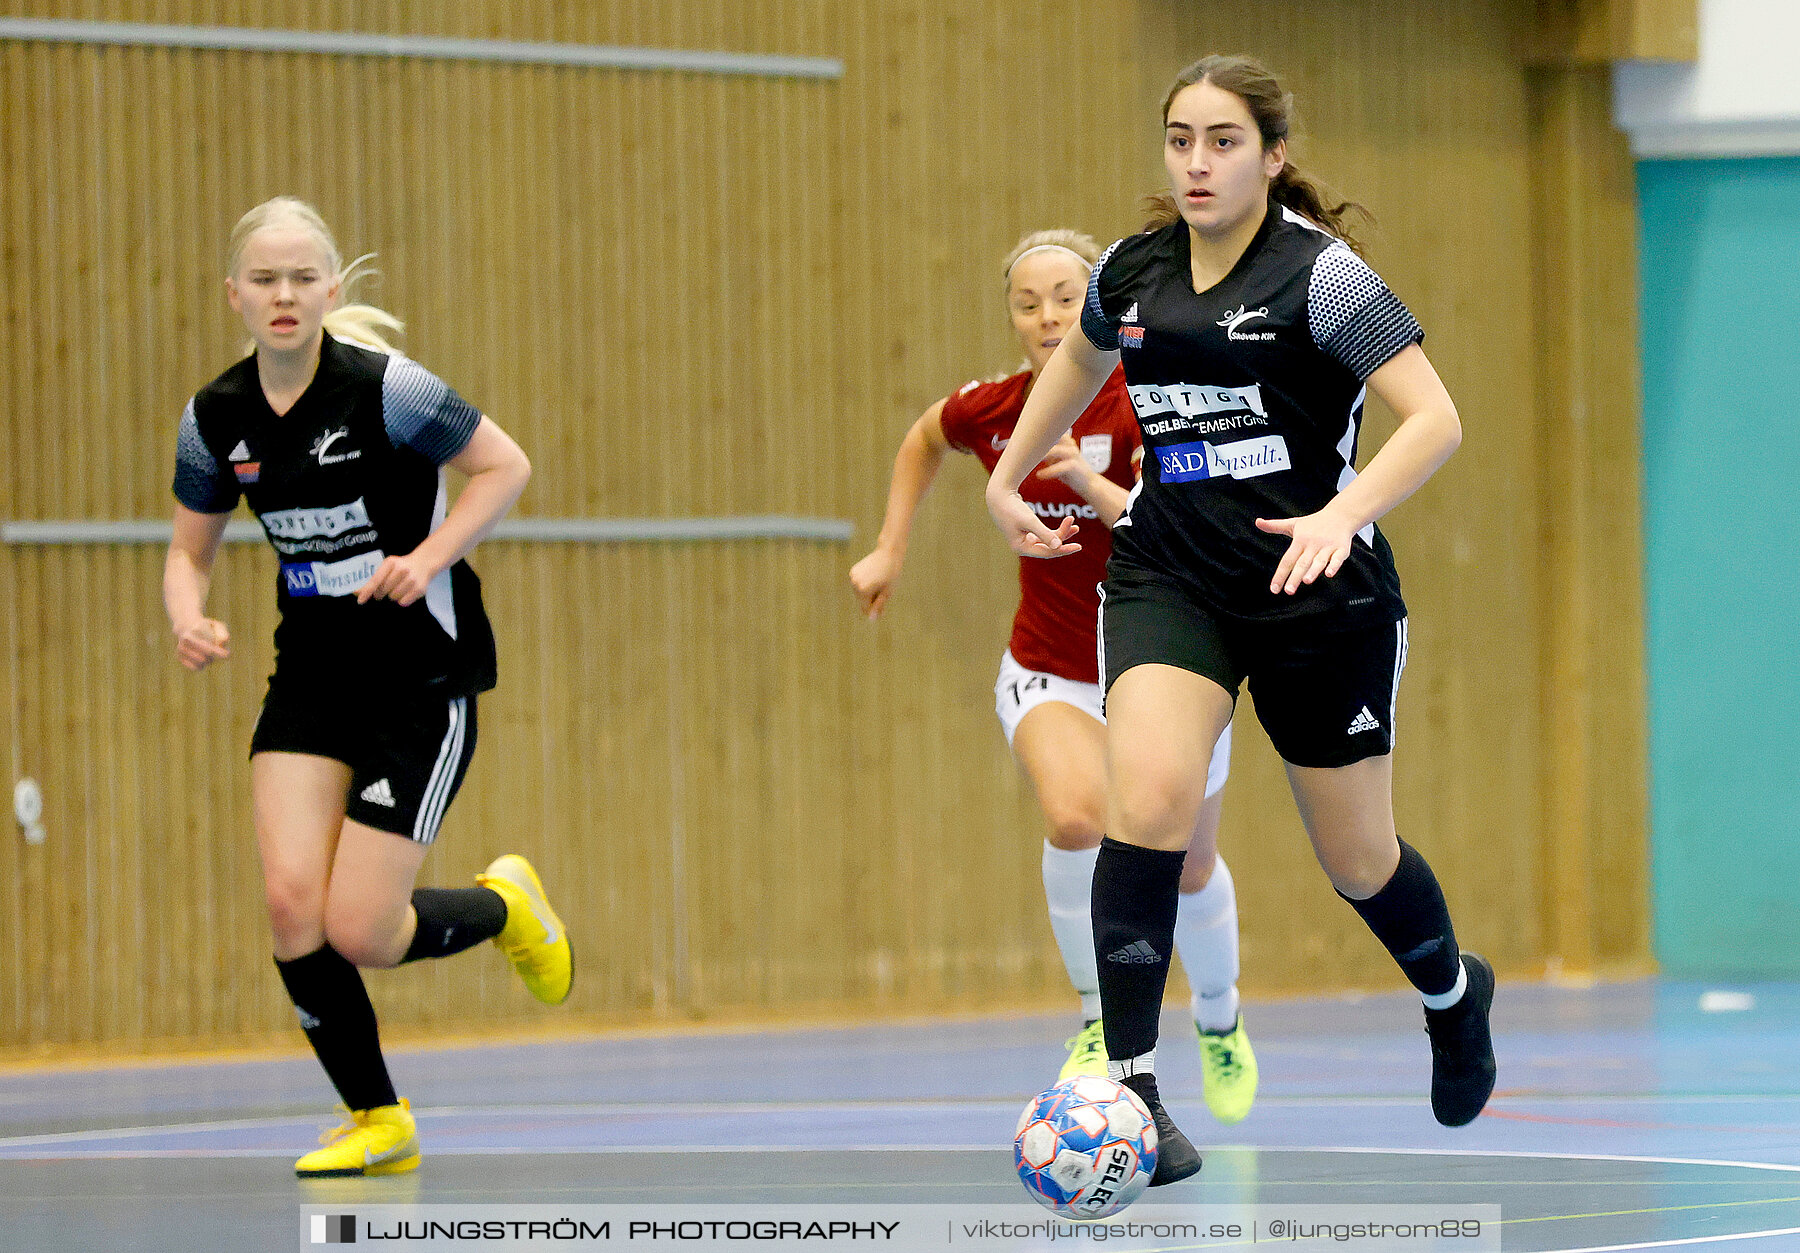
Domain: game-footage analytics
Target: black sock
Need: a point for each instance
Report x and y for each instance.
(340, 1025)
(1136, 893)
(1409, 917)
(452, 919)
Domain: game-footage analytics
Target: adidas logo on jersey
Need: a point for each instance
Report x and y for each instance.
(1130, 314)
(1364, 721)
(241, 452)
(1136, 954)
(379, 793)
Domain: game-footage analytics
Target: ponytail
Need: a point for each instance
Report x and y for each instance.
(359, 323)
(1312, 201)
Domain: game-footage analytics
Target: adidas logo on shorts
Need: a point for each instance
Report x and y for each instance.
(379, 793)
(1136, 954)
(1364, 721)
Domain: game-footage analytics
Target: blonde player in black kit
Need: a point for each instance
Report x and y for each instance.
(1250, 332)
(369, 723)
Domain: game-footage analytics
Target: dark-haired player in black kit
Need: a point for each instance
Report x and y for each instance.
(383, 645)
(1249, 331)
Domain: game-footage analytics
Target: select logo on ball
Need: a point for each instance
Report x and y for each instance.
(1119, 1164)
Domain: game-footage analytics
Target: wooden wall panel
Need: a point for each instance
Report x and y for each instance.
(1599, 32)
(1597, 873)
(698, 295)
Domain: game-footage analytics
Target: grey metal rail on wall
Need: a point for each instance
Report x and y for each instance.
(427, 47)
(539, 530)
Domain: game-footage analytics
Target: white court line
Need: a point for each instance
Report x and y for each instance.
(704, 1109)
(1646, 1098)
(1559, 1157)
(49, 1139)
(1304, 1101)
(598, 1109)
(1690, 1241)
(520, 1150)
(116, 1133)
(701, 1109)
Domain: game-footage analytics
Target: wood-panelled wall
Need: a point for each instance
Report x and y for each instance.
(688, 294)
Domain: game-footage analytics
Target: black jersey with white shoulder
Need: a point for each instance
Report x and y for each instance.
(1250, 395)
(351, 474)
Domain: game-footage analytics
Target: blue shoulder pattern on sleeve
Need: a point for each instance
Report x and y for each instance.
(1101, 333)
(198, 483)
(423, 414)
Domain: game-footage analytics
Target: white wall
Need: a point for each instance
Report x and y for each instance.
(1742, 98)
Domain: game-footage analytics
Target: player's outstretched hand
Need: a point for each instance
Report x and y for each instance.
(203, 642)
(1023, 530)
(399, 579)
(1065, 462)
(873, 579)
(1319, 544)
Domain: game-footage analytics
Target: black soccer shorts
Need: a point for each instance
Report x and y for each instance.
(1326, 696)
(407, 758)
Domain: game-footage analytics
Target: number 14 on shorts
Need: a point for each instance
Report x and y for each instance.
(1021, 688)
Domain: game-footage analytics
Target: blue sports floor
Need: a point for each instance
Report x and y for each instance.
(1626, 1118)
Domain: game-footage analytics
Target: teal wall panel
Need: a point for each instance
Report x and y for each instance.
(1720, 254)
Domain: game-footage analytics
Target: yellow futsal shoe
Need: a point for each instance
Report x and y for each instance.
(1228, 1067)
(533, 937)
(1087, 1053)
(379, 1141)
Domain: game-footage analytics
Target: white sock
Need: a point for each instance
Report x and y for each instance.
(1142, 1064)
(1444, 1000)
(1069, 890)
(1206, 937)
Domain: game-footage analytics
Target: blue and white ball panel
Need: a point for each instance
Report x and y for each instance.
(1085, 1148)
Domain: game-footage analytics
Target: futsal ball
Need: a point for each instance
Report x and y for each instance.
(1085, 1148)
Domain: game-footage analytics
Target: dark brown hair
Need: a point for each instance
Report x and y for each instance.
(1272, 109)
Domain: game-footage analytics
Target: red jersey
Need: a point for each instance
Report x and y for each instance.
(1059, 598)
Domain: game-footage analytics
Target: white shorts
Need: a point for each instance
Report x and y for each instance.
(1018, 691)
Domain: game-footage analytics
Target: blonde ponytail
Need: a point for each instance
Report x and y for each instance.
(359, 323)
(354, 322)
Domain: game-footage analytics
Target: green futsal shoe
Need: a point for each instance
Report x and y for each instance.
(1087, 1053)
(1228, 1066)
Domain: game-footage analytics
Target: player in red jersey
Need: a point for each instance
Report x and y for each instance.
(1048, 696)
